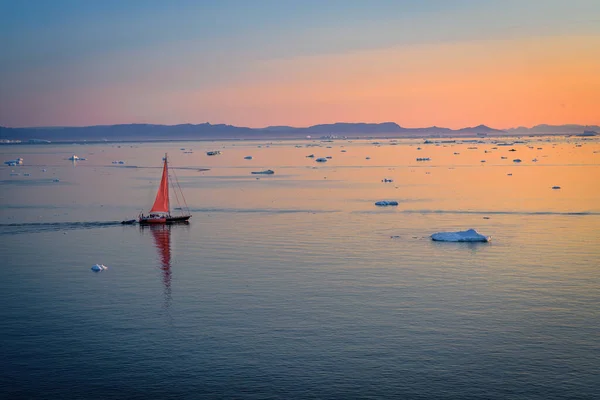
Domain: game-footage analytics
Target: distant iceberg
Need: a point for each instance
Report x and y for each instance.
(248, 158)
(386, 203)
(267, 172)
(470, 235)
(99, 267)
(13, 163)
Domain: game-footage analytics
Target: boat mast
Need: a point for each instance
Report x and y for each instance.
(167, 183)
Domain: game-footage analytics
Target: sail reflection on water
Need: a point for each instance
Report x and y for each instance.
(161, 234)
(162, 241)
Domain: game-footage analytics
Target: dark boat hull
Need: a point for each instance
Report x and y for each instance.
(165, 220)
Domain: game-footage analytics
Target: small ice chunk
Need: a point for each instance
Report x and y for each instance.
(99, 267)
(555, 187)
(321, 159)
(248, 158)
(386, 203)
(469, 235)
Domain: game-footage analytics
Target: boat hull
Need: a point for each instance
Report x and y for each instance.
(165, 220)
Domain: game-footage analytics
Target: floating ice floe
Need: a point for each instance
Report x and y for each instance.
(99, 267)
(266, 172)
(517, 160)
(555, 187)
(386, 203)
(321, 159)
(469, 235)
(423, 159)
(213, 153)
(13, 163)
(386, 180)
(248, 158)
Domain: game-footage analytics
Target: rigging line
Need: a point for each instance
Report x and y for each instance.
(173, 186)
(187, 209)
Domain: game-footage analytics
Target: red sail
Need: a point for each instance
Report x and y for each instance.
(161, 204)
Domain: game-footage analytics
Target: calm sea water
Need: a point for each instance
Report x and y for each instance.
(296, 285)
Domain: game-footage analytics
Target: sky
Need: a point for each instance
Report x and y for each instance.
(451, 63)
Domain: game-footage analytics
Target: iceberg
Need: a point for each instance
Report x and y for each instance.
(469, 235)
(266, 172)
(14, 163)
(386, 203)
(99, 267)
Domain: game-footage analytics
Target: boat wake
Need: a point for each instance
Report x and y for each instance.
(34, 227)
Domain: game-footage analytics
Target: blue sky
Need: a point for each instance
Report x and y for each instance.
(50, 48)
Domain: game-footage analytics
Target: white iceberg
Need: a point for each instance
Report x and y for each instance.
(99, 267)
(15, 162)
(386, 203)
(470, 235)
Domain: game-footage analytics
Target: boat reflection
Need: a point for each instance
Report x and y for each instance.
(162, 241)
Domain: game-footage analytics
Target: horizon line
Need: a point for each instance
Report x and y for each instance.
(294, 127)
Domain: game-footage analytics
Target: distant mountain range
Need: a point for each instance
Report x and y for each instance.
(207, 131)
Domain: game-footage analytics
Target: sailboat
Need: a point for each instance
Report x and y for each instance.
(161, 210)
